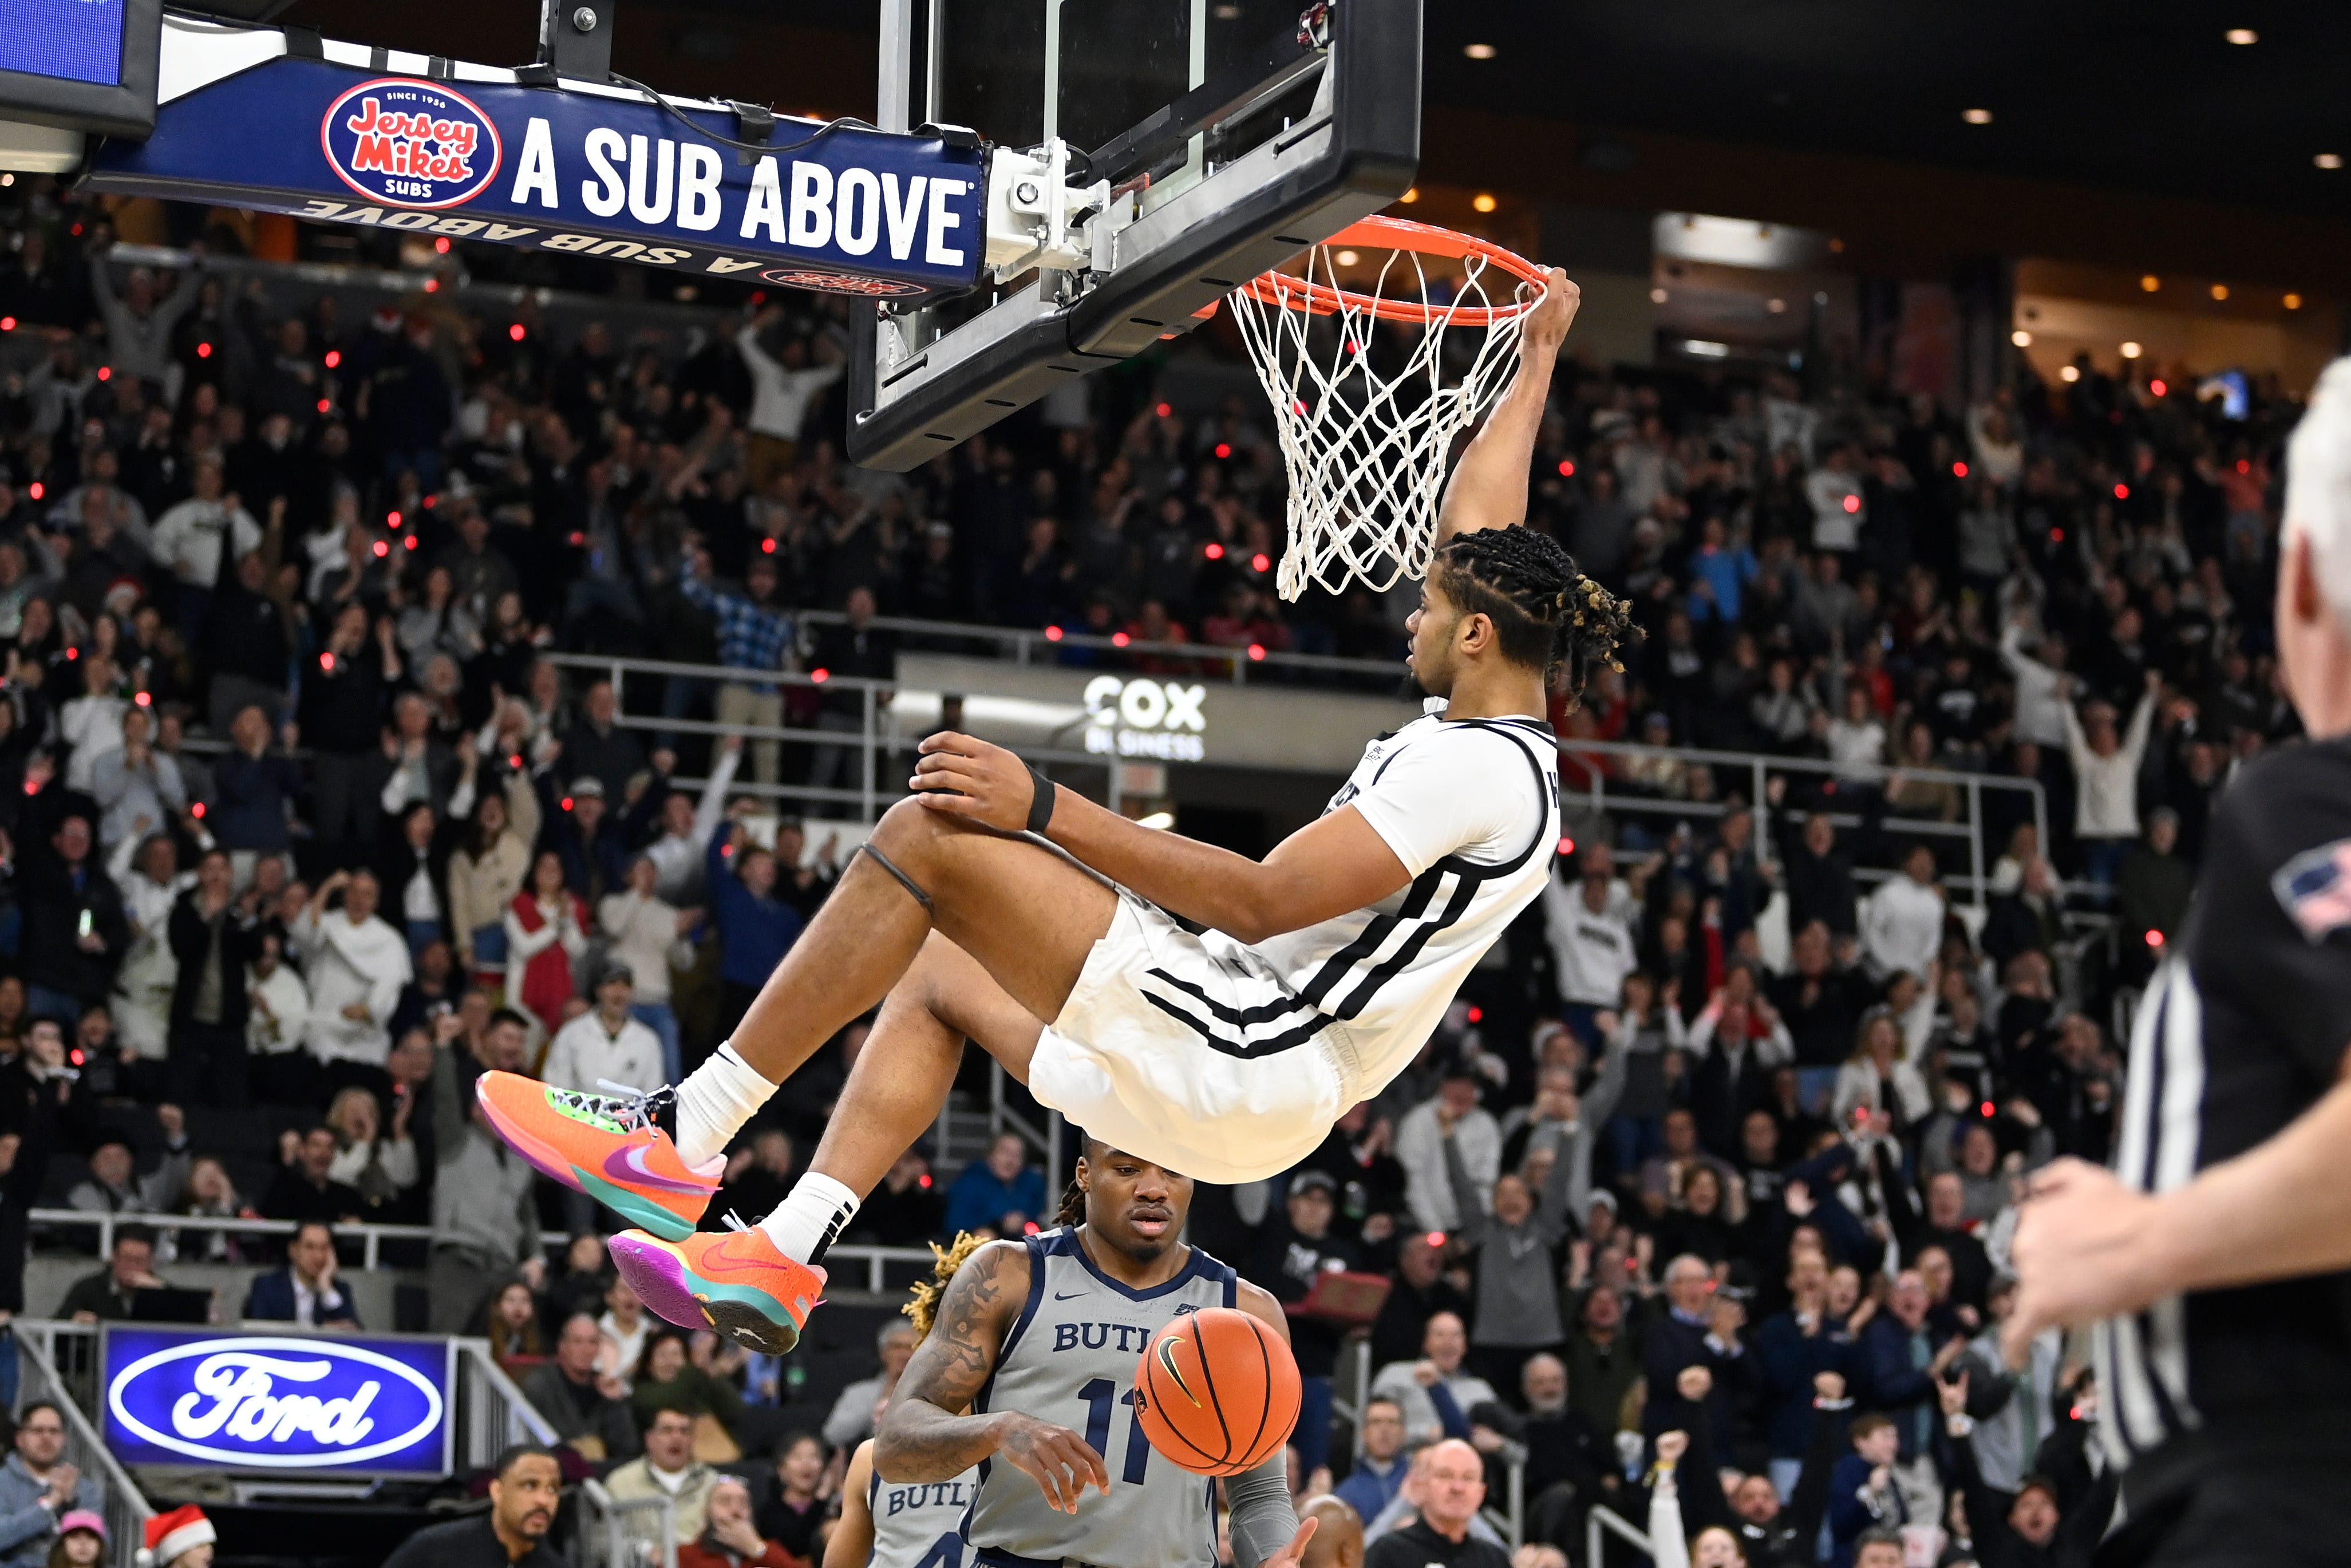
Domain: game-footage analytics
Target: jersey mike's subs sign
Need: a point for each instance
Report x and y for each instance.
(580, 171)
(265, 1402)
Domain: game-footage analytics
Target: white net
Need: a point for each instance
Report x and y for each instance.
(1368, 400)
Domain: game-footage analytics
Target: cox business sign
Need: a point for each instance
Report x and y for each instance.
(1138, 717)
(197, 1396)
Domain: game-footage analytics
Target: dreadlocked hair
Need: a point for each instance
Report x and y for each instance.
(923, 1309)
(1545, 612)
(1073, 1211)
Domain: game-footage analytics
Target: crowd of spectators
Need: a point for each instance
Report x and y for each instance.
(304, 829)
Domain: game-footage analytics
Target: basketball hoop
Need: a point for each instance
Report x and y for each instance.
(1365, 447)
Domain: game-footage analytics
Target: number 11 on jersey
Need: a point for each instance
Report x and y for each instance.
(1100, 1394)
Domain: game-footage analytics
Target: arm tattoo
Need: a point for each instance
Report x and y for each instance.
(923, 1436)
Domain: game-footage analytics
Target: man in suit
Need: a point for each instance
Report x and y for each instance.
(306, 1290)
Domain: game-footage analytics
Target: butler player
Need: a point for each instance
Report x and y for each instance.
(1038, 1337)
(1225, 1055)
(2217, 1255)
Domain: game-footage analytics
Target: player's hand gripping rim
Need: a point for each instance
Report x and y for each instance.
(1064, 1463)
(970, 778)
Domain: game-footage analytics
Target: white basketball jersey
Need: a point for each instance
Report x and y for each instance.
(919, 1524)
(1471, 808)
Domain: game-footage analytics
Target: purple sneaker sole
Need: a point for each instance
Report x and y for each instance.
(659, 1278)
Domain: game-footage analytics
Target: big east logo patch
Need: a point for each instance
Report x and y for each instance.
(409, 143)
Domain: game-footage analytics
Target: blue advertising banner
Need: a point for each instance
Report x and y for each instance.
(851, 210)
(243, 1401)
(80, 40)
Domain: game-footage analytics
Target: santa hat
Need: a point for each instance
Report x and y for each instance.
(170, 1534)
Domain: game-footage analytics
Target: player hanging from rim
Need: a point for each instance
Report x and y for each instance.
(908, 1524)
(1226, 1055)
(1049, 1329)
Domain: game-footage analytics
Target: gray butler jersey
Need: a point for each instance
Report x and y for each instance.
(919, 1524)
(1071, 1359)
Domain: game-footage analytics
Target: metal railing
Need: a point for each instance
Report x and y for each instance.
(1575, 754)
(1510, 1519)
(38, 1378)
(372, 1238)
(1603, 1522)
(1053, 645)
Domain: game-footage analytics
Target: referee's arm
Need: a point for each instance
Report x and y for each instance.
(2088, 1248)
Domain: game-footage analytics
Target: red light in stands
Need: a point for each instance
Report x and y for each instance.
(1257, 650)
(758, 296)
(391, 519)
(2056, 535)
(73, 652)
(197, 811)
(31, 788)
(1852, 503)
(2122, 492)
(1987, 1108)
(1029, 1228)
(1119, 639)
(516, 760)
(2155, 938)
(924, 1181)
(567, 802)
(1052, 633)
(1958, 470)
(441, 245)
(408, 539)
(383, 548)
(2243, 466)
(1434, 1238)
(36, 489)
(578, 539)
(1165, 409)
(1224, 449)
(819, 674)
(1476, 1015)
(1260, 562)
(517, 332)
(1566, 468)
(431, 286)
(1298, 407)
(77, 1056)
(1215, 550)
(203, 351)
(768, 547)
(7, 323)
(324, 405)
(327, 662)
(334, 357)
(144, 699)
(106, 372)
(1567, 846)
(2159, 389)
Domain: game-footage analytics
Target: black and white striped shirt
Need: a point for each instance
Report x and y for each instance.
(2240, 1033)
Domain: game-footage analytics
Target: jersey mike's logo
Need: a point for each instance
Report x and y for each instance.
(838, 283)
(409, 143)
(291, 1404)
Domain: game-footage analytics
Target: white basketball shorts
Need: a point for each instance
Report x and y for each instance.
(1191, 1058)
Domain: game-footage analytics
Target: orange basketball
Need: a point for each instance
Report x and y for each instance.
(1216, 1392)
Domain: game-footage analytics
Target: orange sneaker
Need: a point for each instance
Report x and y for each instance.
(606, 1146)
(734, 1281)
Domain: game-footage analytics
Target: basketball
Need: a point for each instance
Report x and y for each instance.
(1216, 1392)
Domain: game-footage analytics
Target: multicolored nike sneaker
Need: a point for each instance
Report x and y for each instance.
(606, 1146)
(733, 1280)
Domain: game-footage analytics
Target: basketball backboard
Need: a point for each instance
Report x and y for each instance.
(1166, 152)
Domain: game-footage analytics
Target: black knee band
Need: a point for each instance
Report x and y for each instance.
(908, 883)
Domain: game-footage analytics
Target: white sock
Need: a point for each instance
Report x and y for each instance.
(805, 1224)
(714, 1102)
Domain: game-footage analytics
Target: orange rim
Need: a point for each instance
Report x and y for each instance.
(1295, 293)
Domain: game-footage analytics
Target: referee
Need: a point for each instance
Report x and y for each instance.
(2215, 1259)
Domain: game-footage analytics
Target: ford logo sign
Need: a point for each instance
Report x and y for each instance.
(276, 1403)
(409, 143)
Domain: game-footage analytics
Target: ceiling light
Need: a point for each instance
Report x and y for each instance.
(1411, 195)
(1480, 51)
(2070, 373)
(1977, 116)
(2294, 301)
(1775, 306)
(2020, 338)
(2150, 282)
(2242, 36)
(2130, 350)
(1483, 203)
(2329, 160)
(1656, 297)
(1346, 259)
(2220, 291)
